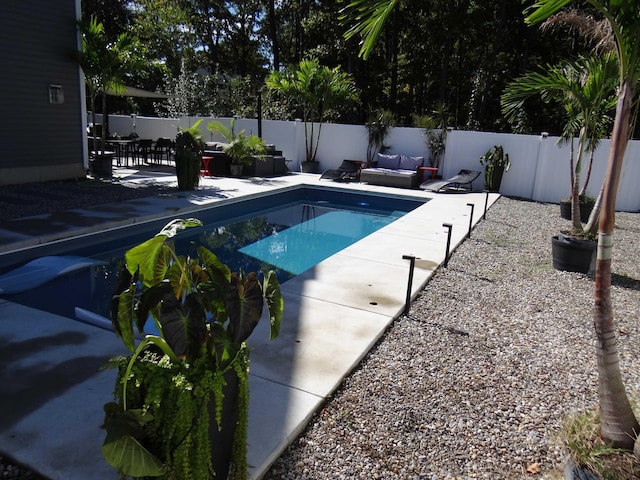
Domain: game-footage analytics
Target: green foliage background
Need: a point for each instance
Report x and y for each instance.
(214, 56)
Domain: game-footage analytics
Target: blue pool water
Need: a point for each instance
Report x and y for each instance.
(287, 232)
(306, 244)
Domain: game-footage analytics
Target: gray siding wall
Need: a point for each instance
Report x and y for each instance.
(39, 140)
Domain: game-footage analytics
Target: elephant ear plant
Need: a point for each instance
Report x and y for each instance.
(170, 391)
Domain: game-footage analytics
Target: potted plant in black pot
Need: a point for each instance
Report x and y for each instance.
(586, 89)
(189, 150)
(242, 148)
(181, 396)
(495, 163)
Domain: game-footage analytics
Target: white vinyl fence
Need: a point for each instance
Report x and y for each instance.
(539, 165)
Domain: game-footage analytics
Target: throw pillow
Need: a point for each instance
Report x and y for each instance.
(387, 161)
(410, 163)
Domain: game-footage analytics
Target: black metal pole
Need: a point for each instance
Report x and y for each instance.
(446, 254)
(486, 204)
(412, 265)
(259, 114)
(470, 219)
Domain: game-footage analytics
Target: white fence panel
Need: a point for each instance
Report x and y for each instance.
(340, 142)
(628, 199)
(539, 166)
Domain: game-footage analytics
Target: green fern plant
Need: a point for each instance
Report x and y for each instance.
(241, 147)
(162, 420)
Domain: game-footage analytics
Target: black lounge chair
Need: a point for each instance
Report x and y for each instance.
(458, 183)
(348, 171)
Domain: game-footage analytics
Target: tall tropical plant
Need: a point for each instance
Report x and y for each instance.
(104, 65)
(162, 422)
(189, 150)
(316, 90)
(586, 90)
(618, 423)
(435, 128)
(379, 124)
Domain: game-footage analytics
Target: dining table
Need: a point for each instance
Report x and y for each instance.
(123, 149)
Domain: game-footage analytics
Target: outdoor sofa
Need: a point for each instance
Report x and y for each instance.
(394, 171)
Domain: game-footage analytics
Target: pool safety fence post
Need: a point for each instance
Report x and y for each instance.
(470, 219)
(412, 266)
(448, 226)
(486, 204)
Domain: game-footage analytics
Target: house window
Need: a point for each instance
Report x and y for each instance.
(56, 94)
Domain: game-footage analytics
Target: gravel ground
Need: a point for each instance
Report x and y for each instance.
(475, 382)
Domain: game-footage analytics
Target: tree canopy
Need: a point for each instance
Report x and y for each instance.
(460, 53)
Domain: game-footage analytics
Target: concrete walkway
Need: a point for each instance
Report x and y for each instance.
(52, 391)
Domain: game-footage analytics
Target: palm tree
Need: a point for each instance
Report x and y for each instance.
(316, 90)
(104, 64)
(586, 89)
(618, 423)
(367, 18)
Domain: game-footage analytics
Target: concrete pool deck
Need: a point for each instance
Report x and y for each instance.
(52, 390)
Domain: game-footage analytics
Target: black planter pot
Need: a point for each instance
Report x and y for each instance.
(585, 210)
(188, 170)
(222, 439)
(573, 255)
(236, 170)
(574, 472)
(102, 165)
(494, 180)
(309, 167)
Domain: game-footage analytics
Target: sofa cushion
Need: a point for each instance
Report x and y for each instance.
(410, 163)
(387, 161)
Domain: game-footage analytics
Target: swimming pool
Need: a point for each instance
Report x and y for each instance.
(289, 232)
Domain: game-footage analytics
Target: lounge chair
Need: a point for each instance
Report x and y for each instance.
(348, 171)
(458, 183)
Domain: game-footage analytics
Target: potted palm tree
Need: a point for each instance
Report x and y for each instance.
(181, 396)
(104, 64)
(586, 90)
(618, 424)
(241, 148)
(316, 91)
